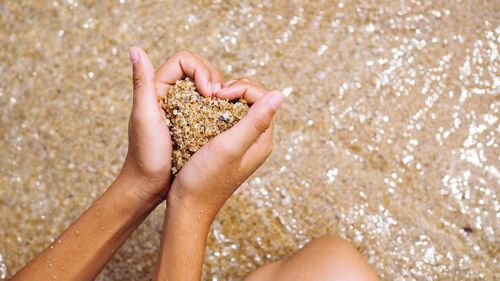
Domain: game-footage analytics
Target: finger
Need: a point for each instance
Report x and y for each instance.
(180, 64)
(259, 150)
(217, 78)
(244, 79)
(143, 81)
(255, 122)
(251, 81)
(228, 83)
(249, 92)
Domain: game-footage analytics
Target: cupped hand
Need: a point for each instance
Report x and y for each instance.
(215, 171)
(148, 161)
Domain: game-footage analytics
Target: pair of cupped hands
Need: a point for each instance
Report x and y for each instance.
(215, 171)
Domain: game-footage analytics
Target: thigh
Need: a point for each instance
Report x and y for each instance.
(328, 258)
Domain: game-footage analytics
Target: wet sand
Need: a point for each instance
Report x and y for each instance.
(388, 136)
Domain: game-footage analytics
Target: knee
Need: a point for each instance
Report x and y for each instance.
(331, 240)
(339, 257)
(332, 245)
(324, 258)
(265, 272)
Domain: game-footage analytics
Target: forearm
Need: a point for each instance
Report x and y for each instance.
(184, 236)
(86, 246)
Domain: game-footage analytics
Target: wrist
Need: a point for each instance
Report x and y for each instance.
(150, 185)
(136, 190)
(190, 207)
(185, 230)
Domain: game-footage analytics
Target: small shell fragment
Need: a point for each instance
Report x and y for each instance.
(194, 120)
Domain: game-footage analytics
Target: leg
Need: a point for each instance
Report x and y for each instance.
(329, 258)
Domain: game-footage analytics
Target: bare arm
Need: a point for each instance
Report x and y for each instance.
(86, 246)
(184, 236)
(209, 178)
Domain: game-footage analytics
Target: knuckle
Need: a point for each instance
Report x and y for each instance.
(137, 81)
(242, 82)
(142, 118)
(261, 122)
(231, 150)
(228, 149)
(183, 182)
(260, 125)
(154, 171)
(136, 119)
(246, 79)
(249, 80)
(184, 53)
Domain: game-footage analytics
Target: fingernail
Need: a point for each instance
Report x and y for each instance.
(217, 87)
(209, 85)
(276, 100)
(134, 55)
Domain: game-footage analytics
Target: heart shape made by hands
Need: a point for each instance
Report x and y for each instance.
(193, 119)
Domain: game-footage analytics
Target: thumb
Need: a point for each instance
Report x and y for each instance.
(258, 119)
(143, 80)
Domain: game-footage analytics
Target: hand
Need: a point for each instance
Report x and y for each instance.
(214, 172)
(148, 162)
(100, 231)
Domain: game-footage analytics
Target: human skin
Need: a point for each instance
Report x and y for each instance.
(328, 258)
(196, 195)
(220, 167)
(85, 247)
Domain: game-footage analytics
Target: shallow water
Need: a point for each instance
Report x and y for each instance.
(388, 137)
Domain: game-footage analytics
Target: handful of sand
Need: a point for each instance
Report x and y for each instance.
(194, 120)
